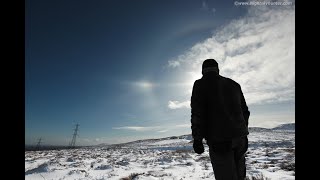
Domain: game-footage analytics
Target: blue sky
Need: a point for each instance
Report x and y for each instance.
(124, 70)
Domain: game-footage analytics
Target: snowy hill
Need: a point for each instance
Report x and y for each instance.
(259, 129)
(286, 127)
(271, 153)
(188, 137)
(281, 127)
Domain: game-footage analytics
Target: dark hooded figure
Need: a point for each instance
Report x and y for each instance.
(219, 114)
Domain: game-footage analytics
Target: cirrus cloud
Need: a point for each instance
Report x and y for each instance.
(257, 51)
(178, 105)
(137, 128)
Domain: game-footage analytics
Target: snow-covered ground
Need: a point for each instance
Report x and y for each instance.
(271, 154)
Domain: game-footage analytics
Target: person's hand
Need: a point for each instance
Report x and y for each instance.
(198, 146)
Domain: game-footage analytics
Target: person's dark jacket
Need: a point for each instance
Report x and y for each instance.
(218, 109)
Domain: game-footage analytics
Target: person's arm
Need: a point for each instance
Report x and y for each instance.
(196, 121)
(244, 107)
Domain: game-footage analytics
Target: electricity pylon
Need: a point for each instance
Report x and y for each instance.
(73, 141)
(38, 144)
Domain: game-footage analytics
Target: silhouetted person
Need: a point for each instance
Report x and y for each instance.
(219, 114)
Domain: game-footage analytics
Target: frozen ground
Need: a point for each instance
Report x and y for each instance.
(271, 154)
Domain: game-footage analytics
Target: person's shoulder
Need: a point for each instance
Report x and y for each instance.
(230, 81)
(196, 82)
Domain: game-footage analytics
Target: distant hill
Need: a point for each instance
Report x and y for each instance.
(259, 129)
(50, 147)
(186, 137)
(103, 144)
(282, 127)
(286, 127)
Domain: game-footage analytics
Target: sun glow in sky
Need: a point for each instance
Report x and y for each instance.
(145, 85)
(125, 70)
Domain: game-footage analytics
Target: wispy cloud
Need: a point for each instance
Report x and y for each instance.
(137, 128)
(173, 64)
(163, 131)
(178, 105)
(257, 51)
(183, 125)
(204, 5)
